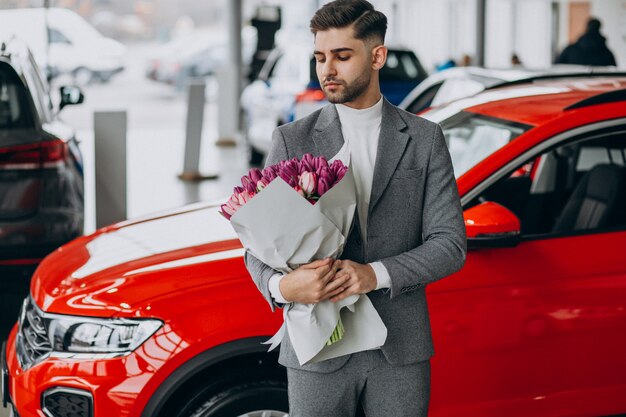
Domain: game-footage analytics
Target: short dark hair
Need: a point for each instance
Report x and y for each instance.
(593, 25)
(367, 22)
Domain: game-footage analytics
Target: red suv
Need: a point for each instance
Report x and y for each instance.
(158, 316)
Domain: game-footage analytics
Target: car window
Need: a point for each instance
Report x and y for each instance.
(402, 66)
(40, 85)
(472, 137)
(574, 188)
(424, 100)
(36, 93)
(15, 105)
(55, 36)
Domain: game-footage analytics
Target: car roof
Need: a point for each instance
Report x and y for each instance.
(15, 52)
(536, 102)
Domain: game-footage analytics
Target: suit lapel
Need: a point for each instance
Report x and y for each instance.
(391, 145)
(327, 134)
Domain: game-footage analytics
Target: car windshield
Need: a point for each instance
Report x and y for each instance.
(472, 137)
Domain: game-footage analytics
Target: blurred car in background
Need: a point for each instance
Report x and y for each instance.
(41, 171)
(532, 325)
(454, 83)
(196, 55)
(287, 89)
(75, 47)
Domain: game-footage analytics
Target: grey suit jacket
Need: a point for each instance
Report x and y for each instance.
(415, 223)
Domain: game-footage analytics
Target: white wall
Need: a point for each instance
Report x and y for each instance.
(437, 30)
(518, 26)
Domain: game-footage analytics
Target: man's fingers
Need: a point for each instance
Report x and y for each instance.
(330, 273)
(337, 282)
(317, 264)
(348, 291)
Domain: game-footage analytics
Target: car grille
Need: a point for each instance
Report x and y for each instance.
(32, 343)
(67, 402)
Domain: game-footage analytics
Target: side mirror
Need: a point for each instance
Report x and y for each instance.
(491, 225)
(70, 94)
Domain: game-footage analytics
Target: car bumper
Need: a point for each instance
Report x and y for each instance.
(113, 386)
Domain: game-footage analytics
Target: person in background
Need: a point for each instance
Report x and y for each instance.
(515, 61)
(589, 49)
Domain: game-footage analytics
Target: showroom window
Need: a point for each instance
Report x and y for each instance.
(578, 187)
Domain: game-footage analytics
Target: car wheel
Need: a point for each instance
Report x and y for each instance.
(265, 398)
(82, 76)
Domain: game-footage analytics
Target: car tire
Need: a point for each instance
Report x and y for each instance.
(267, 398)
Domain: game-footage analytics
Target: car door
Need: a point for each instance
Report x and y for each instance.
(538, 328)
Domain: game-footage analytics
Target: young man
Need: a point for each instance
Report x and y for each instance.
(408, 229)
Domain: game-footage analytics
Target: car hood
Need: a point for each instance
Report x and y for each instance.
(122, 266)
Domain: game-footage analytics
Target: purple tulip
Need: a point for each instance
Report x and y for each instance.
(269, 173)
(322, 186)
(307, 163)
(289, 174)
(340, 173)
(327, 174)
(255, 175)
(319, 162)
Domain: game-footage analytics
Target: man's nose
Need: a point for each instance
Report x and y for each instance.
(327, 69)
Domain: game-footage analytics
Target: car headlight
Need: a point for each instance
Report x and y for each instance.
(98, 336)
(41, 335)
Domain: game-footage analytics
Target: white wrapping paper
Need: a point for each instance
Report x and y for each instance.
(284, 230)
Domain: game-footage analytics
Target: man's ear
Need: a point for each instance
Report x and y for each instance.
(379, 57)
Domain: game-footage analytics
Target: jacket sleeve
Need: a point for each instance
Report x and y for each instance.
(260, 272)
(444, 241)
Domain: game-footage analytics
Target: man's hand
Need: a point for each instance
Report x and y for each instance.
(361, 279)
(313, 282)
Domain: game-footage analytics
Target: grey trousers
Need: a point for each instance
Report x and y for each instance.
(382, 389)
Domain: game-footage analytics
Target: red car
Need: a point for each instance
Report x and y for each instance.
(158, 316)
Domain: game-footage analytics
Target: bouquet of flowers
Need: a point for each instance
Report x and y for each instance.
(293, 213)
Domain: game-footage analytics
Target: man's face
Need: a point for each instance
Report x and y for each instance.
(343, 64)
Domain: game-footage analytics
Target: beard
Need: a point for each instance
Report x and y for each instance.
(350, 91)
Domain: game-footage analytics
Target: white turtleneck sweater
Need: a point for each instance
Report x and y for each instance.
(361, 130)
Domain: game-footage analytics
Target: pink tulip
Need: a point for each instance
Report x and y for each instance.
(308, 182)
(243, 198)
(224, 212)
(261, 184)
(248, 185)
